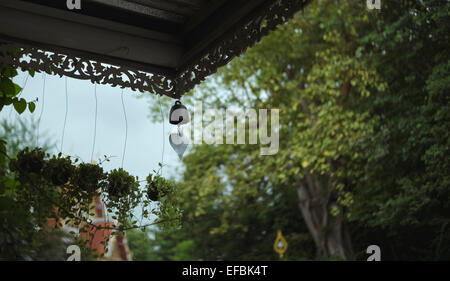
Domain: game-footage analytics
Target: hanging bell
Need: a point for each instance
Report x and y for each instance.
(179, 115)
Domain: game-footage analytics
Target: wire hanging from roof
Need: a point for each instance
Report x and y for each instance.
(42, 110)
(164, 138)
(65, 116)
(126, 129)
(95, 123)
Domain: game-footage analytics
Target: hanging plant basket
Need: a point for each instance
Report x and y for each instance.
(157, 187)
(152, 193)
(58, 170)
(119, 183)
(28, 161)
(88, 177)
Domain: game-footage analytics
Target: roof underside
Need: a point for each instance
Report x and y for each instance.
(161, 46)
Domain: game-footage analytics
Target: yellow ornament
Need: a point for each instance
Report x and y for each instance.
(280, 245)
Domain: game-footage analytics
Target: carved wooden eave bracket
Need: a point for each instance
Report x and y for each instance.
(78, 65)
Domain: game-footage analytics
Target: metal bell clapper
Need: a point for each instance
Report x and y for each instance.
(179, 115)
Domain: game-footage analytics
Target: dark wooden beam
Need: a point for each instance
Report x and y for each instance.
(75, 34)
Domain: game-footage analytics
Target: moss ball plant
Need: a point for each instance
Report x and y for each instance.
(29, 161)
(88, 177)
(152, 192)
(157, 187)
(58, 170)
(120, 183)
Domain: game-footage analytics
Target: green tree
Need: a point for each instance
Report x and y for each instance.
(14, 242)
(139, 243)
(252, 230)
(405, 199)
(363, 99)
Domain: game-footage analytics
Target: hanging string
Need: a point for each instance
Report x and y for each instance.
(42, 110)
(126, 129)
(163, 139)
(95, 123)
(20, 92)
(65, 117)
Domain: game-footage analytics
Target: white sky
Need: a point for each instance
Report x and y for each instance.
(145, 139)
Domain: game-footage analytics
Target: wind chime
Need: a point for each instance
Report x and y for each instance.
(179, 115)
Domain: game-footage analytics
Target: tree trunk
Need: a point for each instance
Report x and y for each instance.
(329, 232)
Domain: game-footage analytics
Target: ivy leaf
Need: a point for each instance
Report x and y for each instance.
(17, 89)
(7, 87)
(20, 105)
(31, 106)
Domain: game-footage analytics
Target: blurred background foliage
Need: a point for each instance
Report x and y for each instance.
(16, 244)
(364, 137)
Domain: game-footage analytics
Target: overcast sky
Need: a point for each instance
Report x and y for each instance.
(145, 139)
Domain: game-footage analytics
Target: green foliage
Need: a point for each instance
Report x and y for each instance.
(88, 177)
(40, 172)
(158, 187)
(250, 234)
(364, 115)
(9, 91)
(164, 193)
(42, 187)
(140, 245)
(28, 162)
(407, 176)
(58, 170)
(120, 183)
(19, 239)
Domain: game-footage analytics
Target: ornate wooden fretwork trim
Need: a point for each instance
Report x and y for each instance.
(26, 58)
(245, 34)
(237, 41)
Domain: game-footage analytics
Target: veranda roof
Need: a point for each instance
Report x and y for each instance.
(165, 47)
